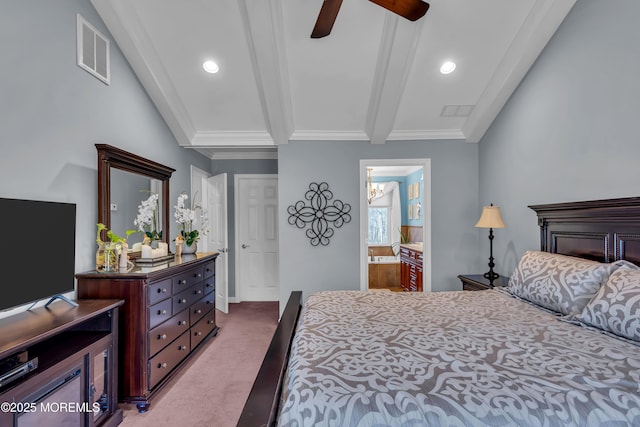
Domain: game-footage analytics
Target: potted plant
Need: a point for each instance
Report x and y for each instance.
(188, 217)
(148, 220)
(108, 251)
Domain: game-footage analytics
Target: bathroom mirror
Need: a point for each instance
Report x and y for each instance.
(120, 169)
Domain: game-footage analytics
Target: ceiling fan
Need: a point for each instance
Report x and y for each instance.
(410, 9)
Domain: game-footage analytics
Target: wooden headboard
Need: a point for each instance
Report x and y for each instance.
(601, 230)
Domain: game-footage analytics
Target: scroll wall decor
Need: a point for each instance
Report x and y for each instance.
(318, 213)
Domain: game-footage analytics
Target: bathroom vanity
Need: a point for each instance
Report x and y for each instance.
(411, 267)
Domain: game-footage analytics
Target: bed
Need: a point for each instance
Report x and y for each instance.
(559, 346)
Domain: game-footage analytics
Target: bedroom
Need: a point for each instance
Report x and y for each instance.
(571, 121)
(569, 132)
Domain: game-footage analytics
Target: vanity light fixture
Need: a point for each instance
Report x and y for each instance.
(374, 190)
(448, 67)
(210, 67)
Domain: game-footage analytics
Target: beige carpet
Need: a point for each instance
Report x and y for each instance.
(213, 388)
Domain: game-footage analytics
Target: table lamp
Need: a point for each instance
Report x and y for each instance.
(490, 219)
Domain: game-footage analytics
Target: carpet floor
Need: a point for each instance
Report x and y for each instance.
(213, 387)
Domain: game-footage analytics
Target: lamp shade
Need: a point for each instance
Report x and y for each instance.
(490, 218)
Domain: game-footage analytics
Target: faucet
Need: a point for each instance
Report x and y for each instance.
(371, 254)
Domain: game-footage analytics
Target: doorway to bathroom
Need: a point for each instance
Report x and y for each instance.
(395, 224)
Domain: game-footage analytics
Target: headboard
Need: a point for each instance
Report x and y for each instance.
(601, 230)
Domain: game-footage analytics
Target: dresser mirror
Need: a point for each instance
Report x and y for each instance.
(120, 176)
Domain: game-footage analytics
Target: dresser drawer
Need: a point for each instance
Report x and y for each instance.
(201, 308)
(162, 363)
(183, 280)
(209, 269)
(159, 312)
(200, 330)
(209, 284)
(159, 291)
(166, 332)
(187, 297)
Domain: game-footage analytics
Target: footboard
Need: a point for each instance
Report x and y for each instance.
(261, 407)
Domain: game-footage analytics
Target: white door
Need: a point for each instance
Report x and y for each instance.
(256, 205)
(217, 239)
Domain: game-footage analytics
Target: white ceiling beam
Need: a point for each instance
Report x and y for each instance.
(124, 25)
(395, 58)
(264, 27)
(225, 138)
(534, 34)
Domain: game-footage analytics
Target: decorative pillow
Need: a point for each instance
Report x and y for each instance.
(616, 306)
(560, 283)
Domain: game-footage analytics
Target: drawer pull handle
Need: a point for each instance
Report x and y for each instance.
(162, 291)
(182, 348)
(182, 322)
(182, 282)
(162, 337)
(182, 301)
(210, 322)
(162, 365)
(209, 302)
(197, 334)
(197, 292)
(197, 275)
(162, 312)
(198, 311)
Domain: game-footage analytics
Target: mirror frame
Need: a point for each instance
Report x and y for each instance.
(112, 157)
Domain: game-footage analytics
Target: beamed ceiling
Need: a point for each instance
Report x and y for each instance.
(376, 77)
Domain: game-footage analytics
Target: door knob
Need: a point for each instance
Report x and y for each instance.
(244, 246)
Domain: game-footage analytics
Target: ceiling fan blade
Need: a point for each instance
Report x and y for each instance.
(410, 9)
(326, 18)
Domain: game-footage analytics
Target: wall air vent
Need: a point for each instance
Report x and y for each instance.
(93, 51)
(456, 110)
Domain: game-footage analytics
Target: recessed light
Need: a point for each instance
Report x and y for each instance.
(210, 67)
(448, 67)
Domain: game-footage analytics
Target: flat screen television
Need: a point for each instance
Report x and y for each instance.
(37, 250)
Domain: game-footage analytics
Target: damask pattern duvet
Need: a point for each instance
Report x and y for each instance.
(453, 359)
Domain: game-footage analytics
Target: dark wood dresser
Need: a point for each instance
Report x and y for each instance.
(169, 311)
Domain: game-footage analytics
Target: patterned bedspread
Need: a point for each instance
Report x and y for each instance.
(453, 359)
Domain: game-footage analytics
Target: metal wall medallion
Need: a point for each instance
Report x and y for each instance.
(318, 214)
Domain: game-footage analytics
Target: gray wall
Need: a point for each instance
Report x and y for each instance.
(570, 132)
(232, 168)
(454, 206)
(52, 113)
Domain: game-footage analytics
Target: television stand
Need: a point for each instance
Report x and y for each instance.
(76, 349)
(63, 298)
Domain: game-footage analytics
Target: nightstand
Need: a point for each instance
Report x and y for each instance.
(477, 282)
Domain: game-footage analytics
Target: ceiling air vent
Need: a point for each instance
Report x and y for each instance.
(93, 51)
(456, 110)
